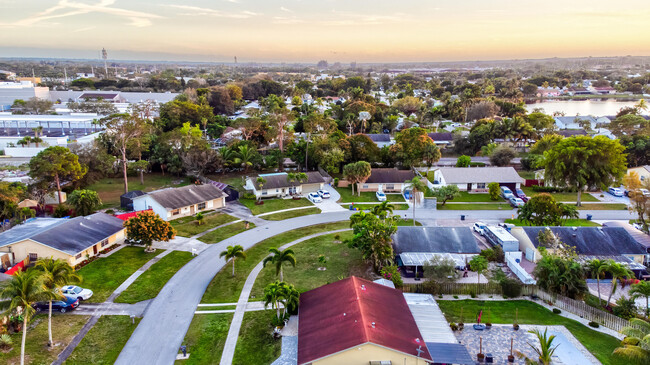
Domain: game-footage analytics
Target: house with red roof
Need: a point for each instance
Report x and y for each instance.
(355, 321)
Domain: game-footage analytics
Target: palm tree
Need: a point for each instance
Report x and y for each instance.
(636, 345)
(618, 271)
(244, 156)
(545, 350)
(233, 252)
(273, 294)
(278, 258)
(200, 219)
(23, 290)
(55, 274)
(228, 156)
(417, 186)
(642, 290)
(597, 268)
(290, 297)
(382, 210)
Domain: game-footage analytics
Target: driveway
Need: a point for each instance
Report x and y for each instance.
(609, 198)
(330, 205)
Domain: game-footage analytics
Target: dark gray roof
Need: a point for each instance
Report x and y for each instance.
(132, 194)
(638, 235)
(449, 353)
(571, 132)
(379, 137)
(435, 240)
(174, 198)
(67, 235)
(94, 95)
(601, 241)
(277, 181)
(442, 136)
(389, 176)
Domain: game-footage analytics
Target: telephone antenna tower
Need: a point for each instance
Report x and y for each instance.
(235, 60)
(105, 56)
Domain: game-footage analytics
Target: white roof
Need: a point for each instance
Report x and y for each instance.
(429, 318)
(463, 175)
(502, 234)
(422, 258)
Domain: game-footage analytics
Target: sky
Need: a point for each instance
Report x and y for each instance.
(334, 30)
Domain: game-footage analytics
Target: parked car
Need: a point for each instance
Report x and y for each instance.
(64, 305)
(380, 196)
(645, 192)
(75, 291)
(615, 191)
(506, 193)
(479, 227)
(521, 195)
(314, 198)
(516, 202)
(324, 194)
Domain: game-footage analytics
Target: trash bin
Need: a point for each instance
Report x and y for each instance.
(462, 217)
(589, 216)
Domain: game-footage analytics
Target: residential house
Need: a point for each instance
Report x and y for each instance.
(642, 171)
(173, 203)
(476, 179)
(381, 140)
(358, 322)
(113, 97)
(442, 139)
(279, 184)
(71, 240)
(387, 180)
(571, 132)
(548, 92)
(414, 247)
(576, 122)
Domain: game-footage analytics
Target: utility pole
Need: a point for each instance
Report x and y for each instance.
(65, 76)
(105, 56)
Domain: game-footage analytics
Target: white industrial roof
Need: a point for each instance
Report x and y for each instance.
(431, 322)
(422, 258)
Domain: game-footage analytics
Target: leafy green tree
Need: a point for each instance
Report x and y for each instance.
(412, 146)
(24, 289)
(440, 269)
(583, 162)
(629, 124)
(56, 164)
(372, 236)
(55, 274)
(597, 268)
(636, 345)
(502, 156)
(479, 264)
(273, 295)
(84, 202)
(618, 272)
(541, 210)
(494, 190)
(463, 161)
(246, 156)
(447, 192)
(122, 130)
(278, 258)
(417, 186)
(545, 143)
(560, 273)
(147, 227)
(233, 252)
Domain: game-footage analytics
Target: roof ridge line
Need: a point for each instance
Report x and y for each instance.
(355, 283)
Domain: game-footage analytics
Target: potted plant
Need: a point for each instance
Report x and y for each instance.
(515, 326)
(511, 357)
(453, 326)
(480, 356)
(488, 324)
(461, 325)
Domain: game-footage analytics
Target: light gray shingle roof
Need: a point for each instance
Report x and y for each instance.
(463, 175)
(174, 198)
(279, 180)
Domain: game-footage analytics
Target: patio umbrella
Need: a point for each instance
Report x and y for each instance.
(28, 203)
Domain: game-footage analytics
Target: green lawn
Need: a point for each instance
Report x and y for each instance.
(562, 197)
(341, 262)
(530, 175)
(476, 206)
(105, 274)
(475, 198)
(396, 206)
(366, 196)
(291, 214)
(226, 289)
(225, 232)
(64, 328)
(104, 342)
(110, 188)
(234, 180)
(568, 223)
(271, 205)
(408, 222)
(187, 227)
(256, 344)
(603, 206)
(149, 284)
(599, 344)
(205, 338)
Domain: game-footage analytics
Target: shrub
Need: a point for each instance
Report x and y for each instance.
(455, 296)
(494, 190)
(61, 211)
(453, 326)
(556, 311)
(463, 161)
(109, 211)
(472, 294)
(594, 324)
(249, 196)
(625, 308)
(392, 273)
(5, 341)
(511, 288)
(336, 182)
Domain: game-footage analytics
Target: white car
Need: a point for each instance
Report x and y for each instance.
(479, 227)
(615, 191)
(314, 198)
(380, 196)
(323, 194)
(77, 292)
(516, 202)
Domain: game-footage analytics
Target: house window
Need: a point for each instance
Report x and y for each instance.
(78, 256)
(33, 256)
(201, 206)
(480, 186)
(365, 186)
(176, 212)
(104, 242)
(264, 192)
(642, 178)
(390, 186)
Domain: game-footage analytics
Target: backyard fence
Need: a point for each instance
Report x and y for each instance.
(462, 288)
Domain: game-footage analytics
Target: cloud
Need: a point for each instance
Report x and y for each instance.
(286, 10)
(287, 20)
(365, 19)
(196, 10)
(65, 8)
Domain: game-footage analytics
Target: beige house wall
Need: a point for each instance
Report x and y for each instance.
(524, 242)
(386, 188)
(191, 210)
(644, 174)
(363, 354)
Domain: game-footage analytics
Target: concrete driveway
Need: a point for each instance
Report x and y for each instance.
(330, 205)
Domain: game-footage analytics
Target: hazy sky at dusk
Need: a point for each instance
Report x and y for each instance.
(336, 30)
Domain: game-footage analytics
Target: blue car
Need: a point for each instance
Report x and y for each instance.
(63, 305)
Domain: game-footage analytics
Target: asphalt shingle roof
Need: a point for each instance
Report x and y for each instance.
(441, 136)
(174, 198)
(389, 176)
(435, 239)
(277, 181)
(601, 241)
(463, 175)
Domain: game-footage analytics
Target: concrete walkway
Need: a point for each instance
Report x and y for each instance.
(242, 303)
(161, 331)
(112, 309)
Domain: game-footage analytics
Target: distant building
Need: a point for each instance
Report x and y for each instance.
(442, 139)
(278, 184)
(25, 90)
(387, 180)
(381, 140)
(477, 178)
(113, 97)
(173, 203)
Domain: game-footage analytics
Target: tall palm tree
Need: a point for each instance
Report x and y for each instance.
(642, 290)
(228, 155)
(290, 297)
(278, 258)
(636, 345)
(273, 294)
(382, 210)
(417, 186)
(618, 271)
(23, 290)
(597, 268)
(55, 274)
(233, 252)
(244, 156)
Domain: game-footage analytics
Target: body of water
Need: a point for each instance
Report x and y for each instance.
(597, 108)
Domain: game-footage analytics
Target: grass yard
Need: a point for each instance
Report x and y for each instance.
(187, 227)
(291, 214)
(234, 180)
(475, 198)
(341, 262)
(225, 232)
(104, 342)
(396, 206)
(64, 328)
(256, 344)
(105, 274)
(271, 205)
(225, 288)
(475, 206)
(205, 338)
(408, 222)
(603, 206)
(568, 223)
(149, 284)
(599, 344)
(562, 197)
(529, 175)
(366, 196)
(110, 188)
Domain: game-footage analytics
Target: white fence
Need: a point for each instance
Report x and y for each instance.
(513, 264)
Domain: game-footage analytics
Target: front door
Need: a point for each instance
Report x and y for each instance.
(95, 249)
(469, 186)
